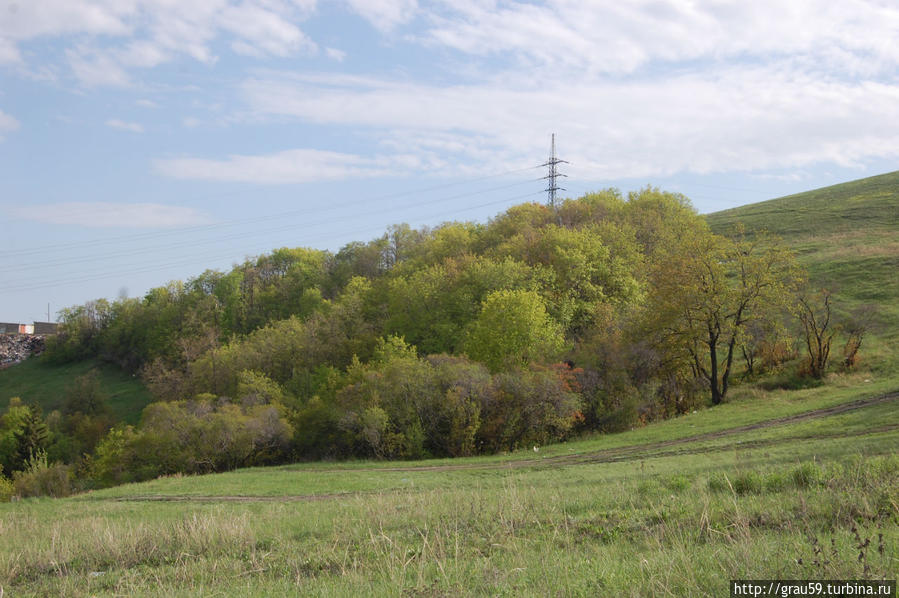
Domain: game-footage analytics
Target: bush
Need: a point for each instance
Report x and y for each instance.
(201, 436)
(775, 481)
(748, 482)
(677, 482)
(718, 482)
(807, 475)
(6, 488)
(41, 479)
(533, 406)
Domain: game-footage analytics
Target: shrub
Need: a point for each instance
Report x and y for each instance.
(201, 436)
(41, 479)
(534, 406)
(7, 490)
(775, 481)
(807, 475)
(748, 482)
(719, 482)
(677, 482)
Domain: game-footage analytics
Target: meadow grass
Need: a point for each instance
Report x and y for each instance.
(45, 385)
(671, 526)
(809, 498)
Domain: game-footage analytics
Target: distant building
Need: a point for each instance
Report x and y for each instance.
(42, 328)
(45, 327)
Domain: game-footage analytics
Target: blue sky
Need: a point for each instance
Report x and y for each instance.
(147, 140)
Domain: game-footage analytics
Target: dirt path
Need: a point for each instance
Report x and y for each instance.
(650, 449)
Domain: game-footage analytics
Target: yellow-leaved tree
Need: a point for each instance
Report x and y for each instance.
(705, 291)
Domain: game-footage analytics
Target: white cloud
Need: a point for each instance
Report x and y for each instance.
(335, 54)
(263, 31)
(125, 126)
(145, 103)
(114, 36)
(609, 36)
(9, 53)
(191, 122)
(633, 89)
(112, 215)
(637, 88)
(7, 123)
(723, 120)
(287, 167)
(385, 14)
(28, 20)
(96, 68)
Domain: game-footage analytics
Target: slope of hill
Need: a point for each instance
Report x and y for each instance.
(865, 205)
(847, 237)
(45, 385)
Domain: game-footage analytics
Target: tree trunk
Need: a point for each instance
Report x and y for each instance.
(717, 396)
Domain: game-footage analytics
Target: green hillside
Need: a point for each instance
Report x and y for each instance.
(869, 205)
(847, 237)
(45, 385)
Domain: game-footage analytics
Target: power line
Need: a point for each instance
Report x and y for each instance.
(37, 283)
(156, 267)
(244, 221)
(194, 243)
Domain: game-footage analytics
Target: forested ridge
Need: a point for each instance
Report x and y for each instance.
(604, 313)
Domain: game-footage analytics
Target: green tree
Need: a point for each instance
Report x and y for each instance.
(432, 306)
(31, 438)
(706, 292)
(85, 395)
(513, 329)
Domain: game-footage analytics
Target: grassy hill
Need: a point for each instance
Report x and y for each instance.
(847, 237)
(869, 205)
(37, 382)
(772, 484)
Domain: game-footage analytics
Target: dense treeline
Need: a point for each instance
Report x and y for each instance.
(466, 338)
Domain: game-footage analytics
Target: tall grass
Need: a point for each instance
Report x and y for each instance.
(671, 534)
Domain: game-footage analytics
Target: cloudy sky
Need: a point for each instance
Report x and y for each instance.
(147, 140)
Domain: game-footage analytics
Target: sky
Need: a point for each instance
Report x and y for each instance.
(143, 141)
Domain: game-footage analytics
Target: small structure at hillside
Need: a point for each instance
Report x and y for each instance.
(45, 328)
(39, 328)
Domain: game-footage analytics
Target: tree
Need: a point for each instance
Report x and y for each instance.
(513, 329)
(594, 263)
(814, 313)
(31, 438)
(706, 292)
(85, 395)
(856, 327)
(432, 306)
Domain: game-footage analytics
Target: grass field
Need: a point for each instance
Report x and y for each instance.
(634, 516)
(797, 484)
(45, 385)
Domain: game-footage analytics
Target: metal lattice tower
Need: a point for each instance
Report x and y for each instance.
(553, 174)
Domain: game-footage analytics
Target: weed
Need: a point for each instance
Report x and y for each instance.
(806, 475)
